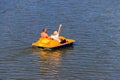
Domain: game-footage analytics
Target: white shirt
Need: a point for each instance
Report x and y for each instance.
(55, 37)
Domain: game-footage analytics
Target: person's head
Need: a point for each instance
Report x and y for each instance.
(55, 33)
(44, 30)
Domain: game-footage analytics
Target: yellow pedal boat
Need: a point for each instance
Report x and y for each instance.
(53, 44)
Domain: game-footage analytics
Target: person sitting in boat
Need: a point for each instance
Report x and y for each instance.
(44, 34)
(56, 34)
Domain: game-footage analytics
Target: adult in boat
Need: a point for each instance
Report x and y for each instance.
(56, 34)
(44, 34)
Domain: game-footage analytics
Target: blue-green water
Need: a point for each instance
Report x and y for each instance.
(94, 24)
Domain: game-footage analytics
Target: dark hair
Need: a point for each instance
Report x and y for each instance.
(44, 30)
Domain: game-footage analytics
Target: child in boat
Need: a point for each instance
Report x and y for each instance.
(56, 34)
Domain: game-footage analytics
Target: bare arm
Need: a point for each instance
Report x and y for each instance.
(59, 28)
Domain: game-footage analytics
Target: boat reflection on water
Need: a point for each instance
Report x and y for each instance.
(50, 62)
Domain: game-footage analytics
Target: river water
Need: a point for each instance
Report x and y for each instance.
(94, 24)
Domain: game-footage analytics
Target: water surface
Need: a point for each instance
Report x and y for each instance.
(94, 24)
